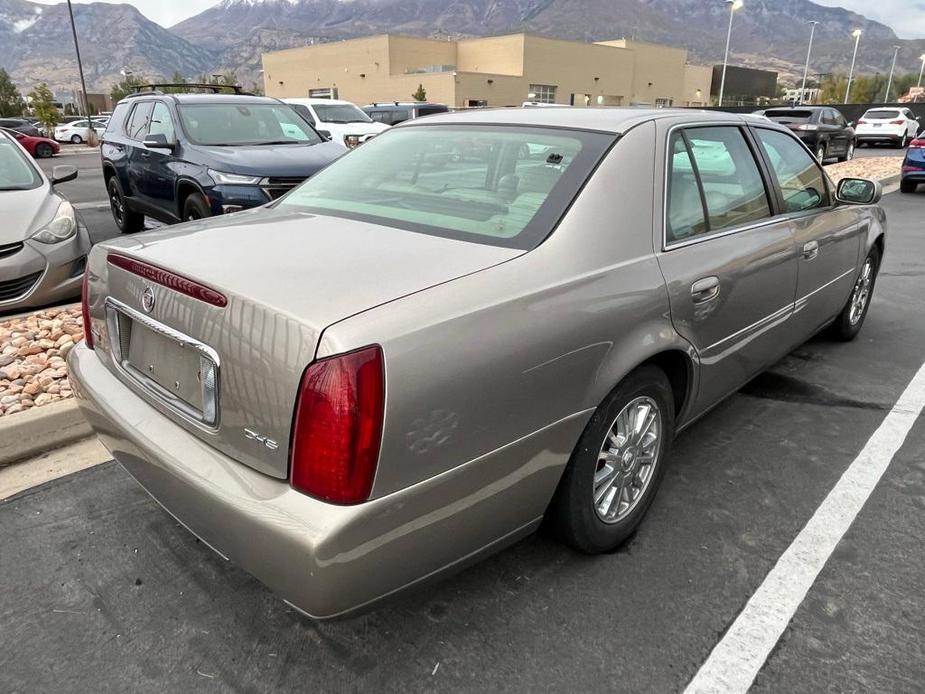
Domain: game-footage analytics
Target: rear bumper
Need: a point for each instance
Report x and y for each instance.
(326, 560)
(879, 137)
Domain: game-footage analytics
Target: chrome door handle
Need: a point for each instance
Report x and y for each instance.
(810, 250)
(705, 289)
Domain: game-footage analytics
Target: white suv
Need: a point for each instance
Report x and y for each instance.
(341, 120)
(895, 125)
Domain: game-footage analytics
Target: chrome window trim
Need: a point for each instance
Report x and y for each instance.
(775, 219)
(159, 394)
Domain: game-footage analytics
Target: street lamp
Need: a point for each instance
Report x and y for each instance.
(857, 40)
(809, 52)
(922, 71)
(733, 6)
(889, 82)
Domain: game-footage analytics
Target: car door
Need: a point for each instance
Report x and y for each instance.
(135, 154)
(158, 178)
(728, 261)
(838, 135)
(827, 236)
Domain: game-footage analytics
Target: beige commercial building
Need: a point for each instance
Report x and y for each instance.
(494, 71)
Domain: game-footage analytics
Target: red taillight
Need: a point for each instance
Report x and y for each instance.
(862, 122)
(917, 144)
(168, 279)
(897, 122)
(338, 427)
(85, 307)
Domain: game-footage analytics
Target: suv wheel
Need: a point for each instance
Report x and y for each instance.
(821, 152)
(907, 186)
(128, 222)
(904, 142)
(195, 207)
(617, 466)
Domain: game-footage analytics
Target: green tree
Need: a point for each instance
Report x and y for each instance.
(420, 94)
(126, 86)
(43, 106)
(11, 103)
(176, 79)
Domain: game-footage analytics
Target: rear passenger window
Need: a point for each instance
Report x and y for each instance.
(798, 175)
(139, 121)
(685, 206)
(733, 190)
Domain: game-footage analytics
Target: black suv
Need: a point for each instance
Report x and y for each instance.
(822, 128)
(395, 112)
(178, 157)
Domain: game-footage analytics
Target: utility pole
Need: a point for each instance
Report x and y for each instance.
(857, 40)
(733, 6)
(889, 84)
(809, 52)
(80, 67)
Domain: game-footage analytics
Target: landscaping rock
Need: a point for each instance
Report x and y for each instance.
(33, 369)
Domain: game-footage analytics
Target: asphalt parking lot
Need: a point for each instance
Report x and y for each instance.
(103, 591)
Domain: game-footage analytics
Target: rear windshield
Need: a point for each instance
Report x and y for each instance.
(340, 113)
(882, 115)
(504, 186)
(230, 124)
(430, 110)
(787, 116)
(16, 172)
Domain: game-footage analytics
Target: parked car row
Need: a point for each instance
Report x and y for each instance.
(38, 146)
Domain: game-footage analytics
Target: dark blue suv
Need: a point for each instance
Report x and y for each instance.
(177, 157)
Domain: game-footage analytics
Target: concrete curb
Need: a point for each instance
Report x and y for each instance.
(41, 429)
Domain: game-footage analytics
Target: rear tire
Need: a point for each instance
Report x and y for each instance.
(821, 152)
(907, 186)
(195, 207)
(904, 142)
(43, 150)
(849, 155)
(615, 471)
(76, 140)
(849, 321)
(127, 221)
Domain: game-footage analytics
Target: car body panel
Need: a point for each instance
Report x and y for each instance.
(494, 358)
(913, 166)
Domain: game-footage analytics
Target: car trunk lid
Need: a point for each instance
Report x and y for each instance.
(283, 277)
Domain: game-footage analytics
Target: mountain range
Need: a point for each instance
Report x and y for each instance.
(36, 43)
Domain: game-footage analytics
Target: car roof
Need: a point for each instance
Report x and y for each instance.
(609, 120)
(402, 104)
(206, 98)
(315, 100)
(798, 108)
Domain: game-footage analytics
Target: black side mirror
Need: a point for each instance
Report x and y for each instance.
(63, 173)
(858, 191)
(158, 141)
(325, 135)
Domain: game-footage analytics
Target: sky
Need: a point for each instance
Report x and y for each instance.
(907, 17)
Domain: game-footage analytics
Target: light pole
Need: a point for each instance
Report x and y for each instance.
(889, 82)
(922, 71)
(80, 67)
(733, 6)
(857, 40)
(809, 52)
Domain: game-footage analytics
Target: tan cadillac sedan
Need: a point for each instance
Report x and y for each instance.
(413, 360)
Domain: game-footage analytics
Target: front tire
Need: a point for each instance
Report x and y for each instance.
(617, 465)
(849, 321)
(127, 221)
(76, 140)
(43, 150)
(195, 207)
(821, 152)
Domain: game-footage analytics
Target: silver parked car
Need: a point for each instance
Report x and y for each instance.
(399, 367)
(43, 244)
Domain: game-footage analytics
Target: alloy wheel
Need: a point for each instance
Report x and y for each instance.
(850, 154)
(820, 153)
(861, 294)
(627, 459)
(116, 204)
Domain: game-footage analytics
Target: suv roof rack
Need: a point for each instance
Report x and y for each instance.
(145, 89)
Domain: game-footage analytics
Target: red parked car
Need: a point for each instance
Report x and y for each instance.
(38, 147)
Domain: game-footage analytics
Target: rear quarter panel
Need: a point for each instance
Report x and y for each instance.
(487, 360)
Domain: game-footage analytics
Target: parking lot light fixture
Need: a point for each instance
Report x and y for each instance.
(809, 52)
(889, 83)
(922, 70)
(854, 58)
(733, 6)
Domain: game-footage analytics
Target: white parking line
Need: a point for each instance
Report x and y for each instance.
(737, 658)
(91, 205)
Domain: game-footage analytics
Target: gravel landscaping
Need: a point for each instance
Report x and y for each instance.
(32, 352)
(877, 168)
